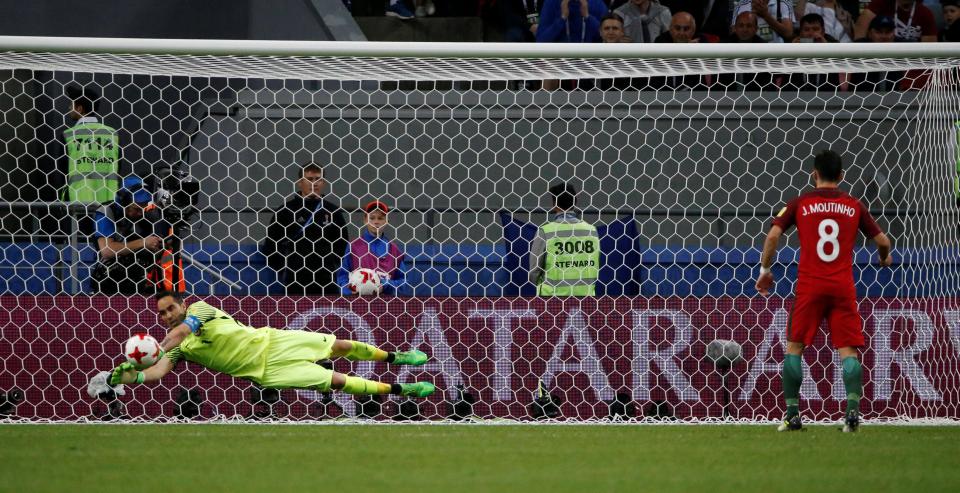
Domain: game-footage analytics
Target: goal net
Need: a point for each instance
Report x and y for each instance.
(680, 157)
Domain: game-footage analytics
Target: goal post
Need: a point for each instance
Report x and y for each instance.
(680, 156)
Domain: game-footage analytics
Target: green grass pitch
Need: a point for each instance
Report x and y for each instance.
(281, 458)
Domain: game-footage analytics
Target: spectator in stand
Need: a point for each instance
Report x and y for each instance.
(683, 29)
(745, 31)
(712, 16)
(951, 28)
(644, 20)
(882, 29)
(813, 30)
(306, 237)
(775, 18)
(844, 10)
(834, 28)
(518, 20)
(914, 21)
(611, 29)
(373, 250)
(570, 21)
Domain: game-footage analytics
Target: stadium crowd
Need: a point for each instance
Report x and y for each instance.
(712, 21)
(654, 21)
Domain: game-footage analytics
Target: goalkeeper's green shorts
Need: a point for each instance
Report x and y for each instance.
(292, 357)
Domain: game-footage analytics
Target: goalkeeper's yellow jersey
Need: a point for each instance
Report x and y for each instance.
(220, 343)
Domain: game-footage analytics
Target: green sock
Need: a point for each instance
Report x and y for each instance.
(792, 376)
(853, 381)
(362, 351)
(357, 386)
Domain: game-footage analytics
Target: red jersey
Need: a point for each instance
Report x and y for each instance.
(827, 221)
(911, 23)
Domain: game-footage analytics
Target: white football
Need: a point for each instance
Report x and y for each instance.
(142, 350)
(365, 282)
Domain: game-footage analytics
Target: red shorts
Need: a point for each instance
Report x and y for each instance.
(843, 319)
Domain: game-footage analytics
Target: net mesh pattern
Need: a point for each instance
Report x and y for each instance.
(679, 163)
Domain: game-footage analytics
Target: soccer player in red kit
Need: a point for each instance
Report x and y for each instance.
(827, 221)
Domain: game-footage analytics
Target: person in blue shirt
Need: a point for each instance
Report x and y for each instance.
(373, 250)
(570, 21)
(129, 239)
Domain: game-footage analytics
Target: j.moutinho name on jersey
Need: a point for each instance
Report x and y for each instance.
(828, 208)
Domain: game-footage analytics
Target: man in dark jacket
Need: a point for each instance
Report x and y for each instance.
(307, 237)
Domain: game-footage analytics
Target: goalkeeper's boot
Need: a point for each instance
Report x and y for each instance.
(851, 423)
(414, 357)
(791, 423)
(417, 389)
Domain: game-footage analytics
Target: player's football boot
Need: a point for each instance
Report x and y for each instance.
(417, 389)
(851, 423)
(414, 357)
(791, 423)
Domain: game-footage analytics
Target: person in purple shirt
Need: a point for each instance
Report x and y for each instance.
(570, 21)
(373, 250)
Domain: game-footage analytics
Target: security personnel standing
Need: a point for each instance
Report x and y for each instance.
(565, 254)
(307, 237)
(93, 152)
(128, 235)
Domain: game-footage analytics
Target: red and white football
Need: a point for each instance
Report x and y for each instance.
(365, 282)
(142, 350)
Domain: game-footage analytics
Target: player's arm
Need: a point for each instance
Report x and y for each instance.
(770, 245)
(783, 221)
(174, 337)
(883, 249)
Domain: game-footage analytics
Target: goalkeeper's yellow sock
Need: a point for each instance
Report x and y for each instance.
(358, 386)
(362, 351)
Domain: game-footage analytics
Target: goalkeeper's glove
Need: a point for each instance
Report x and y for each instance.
(116, 376)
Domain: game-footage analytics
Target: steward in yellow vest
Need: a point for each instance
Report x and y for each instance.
(565, 254)
(93, 153)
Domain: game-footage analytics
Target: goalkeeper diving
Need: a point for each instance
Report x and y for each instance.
(271, 358)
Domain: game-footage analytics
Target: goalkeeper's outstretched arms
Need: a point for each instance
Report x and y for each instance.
(126, 373)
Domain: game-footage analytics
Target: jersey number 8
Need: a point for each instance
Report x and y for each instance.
(829, 231)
